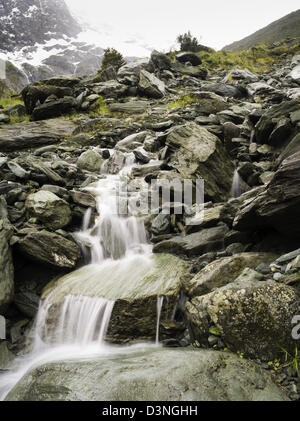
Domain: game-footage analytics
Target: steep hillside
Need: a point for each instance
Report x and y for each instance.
(286, 27)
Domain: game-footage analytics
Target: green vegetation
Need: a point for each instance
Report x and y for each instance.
(6, 100)
(183, 101)
(188, 42)
(112, 58)
(101, 107)
(258, 59)
(292, 360)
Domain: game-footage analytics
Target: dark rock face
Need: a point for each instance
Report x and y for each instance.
(186, 57)
(50, 249)
(278, 206)
(34, 21)
(6, 263)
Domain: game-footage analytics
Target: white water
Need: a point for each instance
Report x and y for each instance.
(236, 189)
(112, 243)
(160, 301)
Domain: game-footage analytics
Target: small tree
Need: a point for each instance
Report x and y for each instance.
(112, 58)
(188, 42)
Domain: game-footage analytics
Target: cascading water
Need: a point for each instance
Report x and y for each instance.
(236, 189)
(113, 245)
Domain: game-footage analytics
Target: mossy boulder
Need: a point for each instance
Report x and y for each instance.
(252, 317)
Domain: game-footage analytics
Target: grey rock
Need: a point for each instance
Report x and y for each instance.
(90, 161)
(50, 249)
(49, 209)
(150, 85)
(262, 316)
(151, 375)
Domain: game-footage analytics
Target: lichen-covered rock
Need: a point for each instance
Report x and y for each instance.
(6, 262)
(49, 209)
(223, 271)
(197, 153)
(252, 317)
(150, 375)
(50, 249)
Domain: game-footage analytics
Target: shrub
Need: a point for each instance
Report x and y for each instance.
(112, 58)
(187, 42)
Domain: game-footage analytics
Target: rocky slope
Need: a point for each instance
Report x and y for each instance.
(238, 267)
(286, 27)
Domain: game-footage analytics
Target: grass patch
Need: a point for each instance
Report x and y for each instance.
(101, 108)
(183, 101)
(7, 101)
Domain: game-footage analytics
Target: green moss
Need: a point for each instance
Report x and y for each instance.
(183, 101)
(101, 108)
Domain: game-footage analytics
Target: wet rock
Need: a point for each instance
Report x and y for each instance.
(6, 357)
(194, 244)
(152, 375)
(223, 271)
(248, 315)
(82, 198)
(161, 224)
(50, 249)
(49, 209)
(134, 284)
(6, 263)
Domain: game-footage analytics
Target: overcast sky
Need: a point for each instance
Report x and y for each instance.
(146, 24)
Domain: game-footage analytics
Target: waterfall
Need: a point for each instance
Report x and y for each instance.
(236, 189)
(115, 246)
(160, 301)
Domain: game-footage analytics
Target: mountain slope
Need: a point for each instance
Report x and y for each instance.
(24, 23)
(288, 26)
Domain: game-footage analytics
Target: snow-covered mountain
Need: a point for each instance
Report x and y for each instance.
(41, 39)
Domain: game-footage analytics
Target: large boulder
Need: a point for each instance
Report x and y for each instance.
(38, 93)
(238, 75)
(111, 89)
(160, 61)
(190, 57)
(278, 205)
(90, 160)
(49, 209)
(251, 317)
(134, 284)
(6, 263)
(274, 127)
(195, 244)
(210, 103)
(50, 249)
(295, 74)
(149, 375)
(194, 71)
(223, 271)
(16, 137)
(197, 153)
(150, 85)
(223, 89)
(55, 108)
